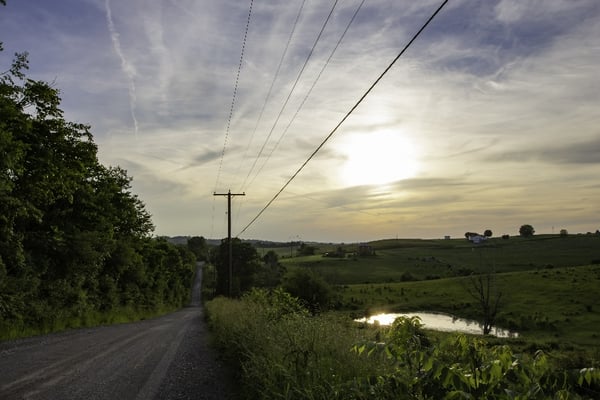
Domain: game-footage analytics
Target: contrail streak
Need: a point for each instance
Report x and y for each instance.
(128, 69)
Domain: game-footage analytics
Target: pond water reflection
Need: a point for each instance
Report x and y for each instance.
(440, 322)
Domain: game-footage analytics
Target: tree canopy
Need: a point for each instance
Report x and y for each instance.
(526, 230)
(245, 266)
(74, 239)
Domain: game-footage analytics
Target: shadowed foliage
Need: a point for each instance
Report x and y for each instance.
(75, 243)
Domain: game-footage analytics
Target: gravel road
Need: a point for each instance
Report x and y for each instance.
(163, 358)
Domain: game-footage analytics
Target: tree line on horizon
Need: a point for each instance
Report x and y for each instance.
(74, 240)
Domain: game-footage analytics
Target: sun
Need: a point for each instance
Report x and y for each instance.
(378, 158)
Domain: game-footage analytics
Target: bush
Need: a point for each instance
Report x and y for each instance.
(310, 287)
(407, 277)
(526, 230)
(285, 353)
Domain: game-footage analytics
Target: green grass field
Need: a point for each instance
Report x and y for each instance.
(427, 259)
(550, 284)
(549, 287)
(559, 304)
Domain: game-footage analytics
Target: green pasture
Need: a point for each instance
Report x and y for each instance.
(559, 304)
(287, 251)
(549, 288)
(414, 259)
(550, 284)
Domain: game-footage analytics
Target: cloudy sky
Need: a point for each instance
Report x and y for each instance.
(490, 120)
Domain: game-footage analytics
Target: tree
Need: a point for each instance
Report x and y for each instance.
(245, 266)
(469, 235)
(564, 232)
(271, 259)
(310, 287)
(198, 246)
(526, 230)
(74, 239)
(484, 290)
(487, 233)
(306, 250)
(271, 273)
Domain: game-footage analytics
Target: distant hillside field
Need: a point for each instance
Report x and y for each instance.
(549, 284)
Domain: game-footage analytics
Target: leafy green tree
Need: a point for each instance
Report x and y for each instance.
(198, 246)
(271, 258)
(310, 287)
(468, 235)
(73, 236)
(526, 230)
(306, 250)
(245, 266)
(487, 233)
(271, 272)
(169, 271)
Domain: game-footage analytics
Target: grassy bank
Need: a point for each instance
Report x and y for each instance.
(284, 352)
(549, 284)
(61, 322)
(549, 287)
(559, 304)
(413, 259)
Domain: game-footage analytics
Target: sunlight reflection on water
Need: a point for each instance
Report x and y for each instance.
(440, 322)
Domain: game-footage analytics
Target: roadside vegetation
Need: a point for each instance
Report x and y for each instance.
(75, 242)
(299, 340)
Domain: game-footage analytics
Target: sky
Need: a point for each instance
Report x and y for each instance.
(489, 120)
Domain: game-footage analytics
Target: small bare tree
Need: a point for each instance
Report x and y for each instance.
(484, 290)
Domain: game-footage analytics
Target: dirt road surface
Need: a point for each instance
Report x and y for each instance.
(163, 358)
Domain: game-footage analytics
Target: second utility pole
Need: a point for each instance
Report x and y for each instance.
(229, 194)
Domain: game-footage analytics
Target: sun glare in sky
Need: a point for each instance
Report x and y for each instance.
(378, 158)
(490, 120)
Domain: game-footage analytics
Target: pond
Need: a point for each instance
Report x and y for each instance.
(440, 322)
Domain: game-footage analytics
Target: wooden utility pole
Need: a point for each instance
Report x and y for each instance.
(229, 195)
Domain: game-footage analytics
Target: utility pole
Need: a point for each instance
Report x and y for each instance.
(229, 195)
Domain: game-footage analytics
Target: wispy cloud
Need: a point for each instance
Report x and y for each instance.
(499, 100)
(128, 69)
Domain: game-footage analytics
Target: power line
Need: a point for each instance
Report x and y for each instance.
(309, 90)
(294, 86)
(303, 100)
(268, 96)
(360, 100)
(235, 88)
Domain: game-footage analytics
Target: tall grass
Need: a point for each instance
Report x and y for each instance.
(558, 304)
(285, 353)
(63, 321)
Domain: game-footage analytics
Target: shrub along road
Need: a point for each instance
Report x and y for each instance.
(162, 358)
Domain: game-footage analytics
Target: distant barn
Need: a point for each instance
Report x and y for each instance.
(365, 250)
(475, 237)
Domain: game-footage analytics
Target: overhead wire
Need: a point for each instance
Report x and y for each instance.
(267, 98)
(269, 92)
(235, 89)
(294, 85)
(308, 93)
(360, 100)
(305, 97)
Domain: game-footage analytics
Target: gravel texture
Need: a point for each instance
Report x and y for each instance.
(168, 357)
